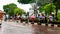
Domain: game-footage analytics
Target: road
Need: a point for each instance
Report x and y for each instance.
(32, 29)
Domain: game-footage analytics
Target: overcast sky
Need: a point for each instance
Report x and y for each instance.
(4, 2)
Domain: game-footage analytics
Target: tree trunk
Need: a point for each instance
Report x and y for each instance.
(56, 12)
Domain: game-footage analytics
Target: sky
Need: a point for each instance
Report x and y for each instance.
(4, 2)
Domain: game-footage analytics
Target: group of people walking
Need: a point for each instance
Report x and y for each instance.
(41, 17)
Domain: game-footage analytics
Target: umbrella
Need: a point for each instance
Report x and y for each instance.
(32, 17)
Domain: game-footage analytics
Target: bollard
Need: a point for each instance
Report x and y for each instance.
(35, 24)
(43, 24)
(17, 21)
(55, 25)
(23, 22)
(29, 23)
(49, 25)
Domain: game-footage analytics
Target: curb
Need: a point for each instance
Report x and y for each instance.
(42, 24)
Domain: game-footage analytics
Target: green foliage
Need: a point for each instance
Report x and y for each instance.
(57, 2)
(9, 8)
(26, 1)
(43, 2)
(58, 15)
(39, 2)
(19, 11)
(5, 7)
(12, 9)
(41, 9)
(49, 7)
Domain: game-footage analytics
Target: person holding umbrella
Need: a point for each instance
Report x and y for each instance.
(32, 18)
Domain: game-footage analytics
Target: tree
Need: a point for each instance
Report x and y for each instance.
(19, 11)
(26, 1)
(58, 15)
(39, 2)
(58, 3)
(41, 9)
(43, 2)
(9, 8)
(49, 8)
(12, 9)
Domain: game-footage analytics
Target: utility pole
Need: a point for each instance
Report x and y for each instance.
(35, 8)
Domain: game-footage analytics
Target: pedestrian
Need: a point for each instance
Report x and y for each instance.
(32, 18)
(40, 18)
(18, 18)
(7, 16)
(50, 18)
(27, 19)
(43, 18)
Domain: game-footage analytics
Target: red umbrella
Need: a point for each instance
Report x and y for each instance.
(32, 17)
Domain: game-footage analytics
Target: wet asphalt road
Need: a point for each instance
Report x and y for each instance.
(38, 29)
